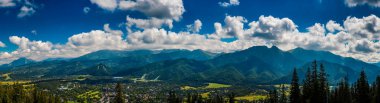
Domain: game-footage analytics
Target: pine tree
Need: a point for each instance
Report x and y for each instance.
(283, 97)
(315, 93)
(362, 89)
(323, 88)
(295, 95)
(306, 91)
(173, 98)
(119, 94)
(377, 90)
(272, 97)
(342, 93)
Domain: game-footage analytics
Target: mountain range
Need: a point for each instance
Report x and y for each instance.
(258, 64)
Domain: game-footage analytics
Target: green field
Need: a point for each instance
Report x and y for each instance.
(209, 86)
(90, 95)
(251, 97)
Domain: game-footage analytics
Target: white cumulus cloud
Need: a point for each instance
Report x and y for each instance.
(230, 3)
(353, 3)
(106, 4)
(148, 23)
(196, 27)
(162, 9)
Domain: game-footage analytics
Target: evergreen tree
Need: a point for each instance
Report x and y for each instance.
(362, 89)
(323, 88)
(377, 90)
(315, 92)
(342, 93)
(173, 98)
(295, 95)
(272, 97)
(283, 97)
(119, 94)
(306, 91)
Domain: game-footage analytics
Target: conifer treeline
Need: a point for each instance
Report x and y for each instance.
(18, 93)
(315, 89)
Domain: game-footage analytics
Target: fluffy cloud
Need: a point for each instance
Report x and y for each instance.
(161, 39)
(271, 28)
(332, 26)
(196, 27)
(162, 9)
(148, 23)
(106, 4)
(230, 3)
(77, 45)
(2, 44)
(26, 11)
(7, 3)
(159, 13)
(234, 27)
(357, 37)
(366, 27)
(353, 3)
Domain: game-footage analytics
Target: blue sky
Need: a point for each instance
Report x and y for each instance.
(56, 21)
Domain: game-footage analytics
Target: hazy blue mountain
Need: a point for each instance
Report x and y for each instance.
(280, 61)
(18, 62)
(377, 64)
(335, 72)
(184, 54)
(258, 64)
(309, 55)
(111, 54)
(115, 61)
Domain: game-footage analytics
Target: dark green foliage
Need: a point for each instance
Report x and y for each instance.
(120, 97)
(315, 85)
(341, 94)
(283, 98)
(323, 88)
(194, 98)
(307, 87)
(362, 89)
(377, 90)
(98, 70)
(173, 98)
(272, 97)
(17, 93)
(295, 93)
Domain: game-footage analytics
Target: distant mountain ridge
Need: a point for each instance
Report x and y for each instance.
(18, 62)
(115, 60)
(258, 64)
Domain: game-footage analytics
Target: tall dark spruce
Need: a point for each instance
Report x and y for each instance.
(272, 97)
(295, 93)
(315, 88)
(323, 88)
(362, 89)
(341, 94)
(283, 98)
(377, 90)
(119, 94)
(306, 91)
